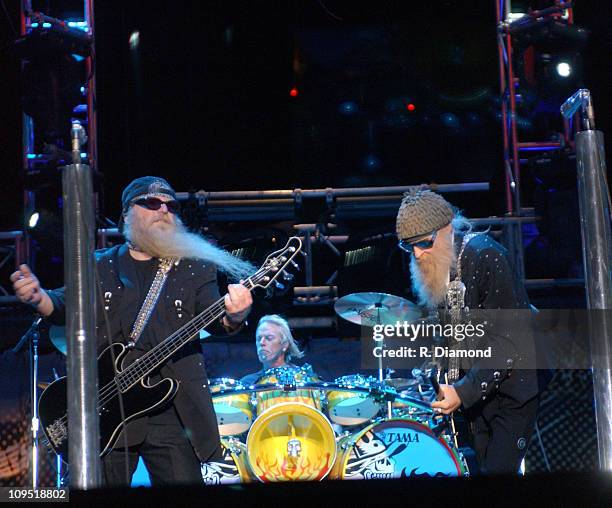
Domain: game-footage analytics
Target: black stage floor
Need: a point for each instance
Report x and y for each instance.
(535, 490)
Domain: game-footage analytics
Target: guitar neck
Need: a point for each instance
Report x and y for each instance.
(144, 365)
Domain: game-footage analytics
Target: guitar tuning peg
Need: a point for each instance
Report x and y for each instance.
(279, 285)
(287, 276)
(295, 265)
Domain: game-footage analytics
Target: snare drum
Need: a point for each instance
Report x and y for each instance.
(233, 468)
(283, 376)
(353, 407)
(232, 406)
(396, 448)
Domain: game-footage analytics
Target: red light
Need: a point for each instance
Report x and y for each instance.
(294, 92)
(410, 107)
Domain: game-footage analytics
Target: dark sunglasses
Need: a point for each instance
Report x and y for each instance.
(423, 244)
(155, 204)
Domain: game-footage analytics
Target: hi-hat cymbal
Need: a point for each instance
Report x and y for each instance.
(57, 335)
(369, 309)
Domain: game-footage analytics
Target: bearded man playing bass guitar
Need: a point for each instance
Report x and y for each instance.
(159, 253)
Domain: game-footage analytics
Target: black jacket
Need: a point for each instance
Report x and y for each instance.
(493, 291)
(190, 288)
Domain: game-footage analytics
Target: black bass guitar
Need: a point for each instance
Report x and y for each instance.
(131, 381)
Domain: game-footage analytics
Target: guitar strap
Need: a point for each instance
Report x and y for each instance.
(150, 301)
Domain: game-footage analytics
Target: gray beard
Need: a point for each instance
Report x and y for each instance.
(430, 276)
(176, 242)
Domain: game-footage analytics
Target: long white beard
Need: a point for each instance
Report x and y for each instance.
(430, 274)
(174, 241)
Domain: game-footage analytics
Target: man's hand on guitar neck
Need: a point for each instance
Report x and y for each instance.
(238, 301)
(448, 400)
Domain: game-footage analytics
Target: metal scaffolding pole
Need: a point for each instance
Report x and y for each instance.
(594, 200)
(82, 368)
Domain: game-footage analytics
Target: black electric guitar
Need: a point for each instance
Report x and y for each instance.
(131, 381)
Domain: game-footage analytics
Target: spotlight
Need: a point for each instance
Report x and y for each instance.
(450, 120)
(564, 69)
(371, 163)
(348, 108)
(33, 220)
(294, 92)
(134, 39)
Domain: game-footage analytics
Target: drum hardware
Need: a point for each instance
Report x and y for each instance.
(370, 309)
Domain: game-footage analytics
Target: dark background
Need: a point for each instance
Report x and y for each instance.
(204, 100)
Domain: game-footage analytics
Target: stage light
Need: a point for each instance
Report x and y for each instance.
(134, 39)
(33, 220)
(564, 69)
(410, 107)
(348, 108)
(371, 163)
(513, 16)
(450, 120)
(294, 92)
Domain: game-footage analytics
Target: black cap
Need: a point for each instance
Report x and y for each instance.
(141, 187)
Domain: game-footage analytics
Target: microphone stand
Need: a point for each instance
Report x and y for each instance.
(33, 335)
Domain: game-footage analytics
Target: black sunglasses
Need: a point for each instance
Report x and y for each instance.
(422, 244)
(155, 204)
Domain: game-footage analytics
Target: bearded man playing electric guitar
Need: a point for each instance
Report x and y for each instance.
(152, 285)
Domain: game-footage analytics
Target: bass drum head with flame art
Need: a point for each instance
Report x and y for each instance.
(232, 468)
(291, 441)
(396, 448)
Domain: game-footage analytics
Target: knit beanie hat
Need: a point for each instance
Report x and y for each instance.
(421, 213)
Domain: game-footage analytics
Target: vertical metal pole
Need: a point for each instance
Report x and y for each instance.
(92, 120)
(597, 256)
(34, 395)
(503, 87)
(27, 141)
(82, 369)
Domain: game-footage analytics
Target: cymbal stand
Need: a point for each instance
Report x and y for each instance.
(33, 335)
(381, 376)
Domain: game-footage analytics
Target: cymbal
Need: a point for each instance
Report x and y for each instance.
(401, 383)
(57, 335)
(368, 309)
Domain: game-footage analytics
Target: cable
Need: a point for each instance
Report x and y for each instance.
(329, 12)
(544, 456)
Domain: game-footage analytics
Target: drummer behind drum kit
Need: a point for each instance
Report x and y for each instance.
(291, 425)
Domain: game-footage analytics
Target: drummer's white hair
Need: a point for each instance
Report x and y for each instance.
(286, 337)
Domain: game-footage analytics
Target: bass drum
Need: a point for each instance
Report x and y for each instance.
(233, 468)
(396, 448)
(291, 441)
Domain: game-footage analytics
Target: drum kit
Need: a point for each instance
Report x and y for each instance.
(290, 425)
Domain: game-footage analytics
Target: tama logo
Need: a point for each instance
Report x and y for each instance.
(399, 437)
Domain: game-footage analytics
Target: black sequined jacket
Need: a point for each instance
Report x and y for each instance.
(496, 299)
(190, 288)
